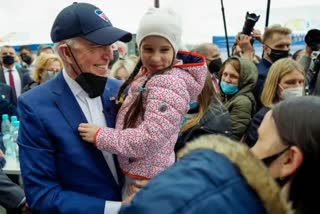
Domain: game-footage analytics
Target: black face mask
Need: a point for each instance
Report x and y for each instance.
(8, 60)
(278, 54)
(92, 84)
(115, 58)
(268, 161)
(215, 65)
(26, 59)
(282, 182)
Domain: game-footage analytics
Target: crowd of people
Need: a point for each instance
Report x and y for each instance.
(166, 130)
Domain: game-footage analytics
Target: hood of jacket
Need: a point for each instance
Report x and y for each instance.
(195, 65)
(248, 76)
(213, 175)
(253, 170)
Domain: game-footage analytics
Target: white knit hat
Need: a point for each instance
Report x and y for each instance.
(162, 22)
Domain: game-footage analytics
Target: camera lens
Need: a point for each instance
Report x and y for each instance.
(251, 19)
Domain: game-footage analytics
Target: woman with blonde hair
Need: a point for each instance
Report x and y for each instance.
(46, 67)
(122, 69)
(285, 80)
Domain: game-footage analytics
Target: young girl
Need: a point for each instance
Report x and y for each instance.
(161, 88)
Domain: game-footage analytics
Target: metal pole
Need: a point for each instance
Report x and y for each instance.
(156, 3)
(268, 12)
(225, 28)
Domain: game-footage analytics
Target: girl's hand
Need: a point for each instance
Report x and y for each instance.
(88, 131)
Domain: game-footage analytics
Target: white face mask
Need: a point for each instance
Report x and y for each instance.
(50, 72)
(291, 92)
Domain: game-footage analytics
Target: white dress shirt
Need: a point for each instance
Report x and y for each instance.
(16, 79)
(93, 111)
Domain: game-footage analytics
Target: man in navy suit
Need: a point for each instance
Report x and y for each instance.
(16, 78)
(6, 92)
(61, 173)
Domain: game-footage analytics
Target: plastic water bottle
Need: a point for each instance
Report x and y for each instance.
(5, 125)
(13, 119)
(10, 147)
(15, 130)
(14, 137)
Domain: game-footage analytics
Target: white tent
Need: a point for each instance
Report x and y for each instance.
(29, 22)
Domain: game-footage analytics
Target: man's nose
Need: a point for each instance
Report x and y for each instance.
(108, 53)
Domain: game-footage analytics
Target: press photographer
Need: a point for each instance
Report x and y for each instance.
(311, 61)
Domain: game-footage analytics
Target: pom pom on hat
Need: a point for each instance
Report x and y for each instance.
(162, 22)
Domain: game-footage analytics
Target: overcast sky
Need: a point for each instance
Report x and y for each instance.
(32, 19)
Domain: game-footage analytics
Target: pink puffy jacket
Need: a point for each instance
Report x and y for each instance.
(148, 149)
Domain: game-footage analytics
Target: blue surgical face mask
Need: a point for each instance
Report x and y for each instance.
(228, 89)
(193, 104)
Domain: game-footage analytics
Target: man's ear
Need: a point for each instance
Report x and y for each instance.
(265, 48)
(291, 161)
(65, 53)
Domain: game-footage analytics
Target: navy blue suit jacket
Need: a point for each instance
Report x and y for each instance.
(7, 92)
(62, 173)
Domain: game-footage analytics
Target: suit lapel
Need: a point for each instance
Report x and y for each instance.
(109, 109)
(73, 114)
(67, 103)
(2, 78)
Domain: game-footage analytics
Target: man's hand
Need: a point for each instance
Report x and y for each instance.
(257, 35)
(128, 199)
(136, 186)
(244, 43)
(2, 159)
(133, 188)
(88, 131)
(26, 209)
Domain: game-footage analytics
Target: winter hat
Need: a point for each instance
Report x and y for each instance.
(162, 22)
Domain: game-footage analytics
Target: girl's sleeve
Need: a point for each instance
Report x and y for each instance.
(167, 101)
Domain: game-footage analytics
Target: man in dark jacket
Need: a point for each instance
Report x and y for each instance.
(9, 74)
(11, 195)
(311, 61)
(276, 45)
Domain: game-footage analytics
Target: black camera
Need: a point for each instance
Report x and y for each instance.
(251, 19)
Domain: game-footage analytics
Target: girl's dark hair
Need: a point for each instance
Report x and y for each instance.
(298, 124)
(136, 109)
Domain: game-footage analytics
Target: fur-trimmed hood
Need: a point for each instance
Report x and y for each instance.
(213, 175)
(253, 170)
